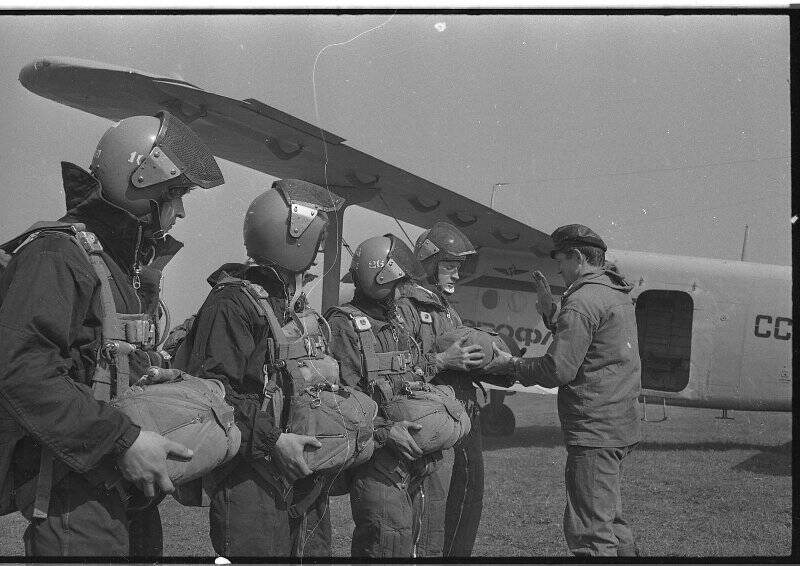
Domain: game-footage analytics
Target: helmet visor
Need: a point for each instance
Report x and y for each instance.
(303, 192)
(306, 200)
(401, 261)
(185, 148)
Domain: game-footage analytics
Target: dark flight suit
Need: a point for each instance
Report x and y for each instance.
(386, 493)
(228, 342)
(594, 362)
(462, 512)
(50, 331)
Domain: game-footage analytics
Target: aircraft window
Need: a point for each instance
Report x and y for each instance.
(664, 319)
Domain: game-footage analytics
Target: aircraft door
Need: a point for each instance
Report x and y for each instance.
(726, 360)
(664, 321)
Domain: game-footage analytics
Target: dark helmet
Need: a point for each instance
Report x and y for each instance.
(286, 224)
(140, 156)
(380, 262)
(443, 242)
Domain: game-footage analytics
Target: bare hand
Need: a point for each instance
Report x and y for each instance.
(145, 462)
(288, 454)
(403, 442)
(545, 303)
(460, 357)
(155, 375)
(502, 363)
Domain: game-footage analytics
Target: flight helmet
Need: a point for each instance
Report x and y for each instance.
(141, 156)
(380, 262)
(442, 242)
(285, 225)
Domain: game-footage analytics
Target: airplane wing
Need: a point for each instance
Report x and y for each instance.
(258, 136)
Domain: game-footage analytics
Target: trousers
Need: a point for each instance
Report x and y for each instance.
(593, 520)
(87, 520)
(465, 494)
(247, 518)
(388, 500)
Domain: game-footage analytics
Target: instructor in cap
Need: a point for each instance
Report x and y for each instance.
(594, 362)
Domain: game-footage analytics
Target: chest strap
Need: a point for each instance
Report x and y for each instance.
(380, 369)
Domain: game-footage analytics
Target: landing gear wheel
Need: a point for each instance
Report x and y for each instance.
(497, 420)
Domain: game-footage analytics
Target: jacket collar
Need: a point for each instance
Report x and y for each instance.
(429, 296)
(600, 276)
(257, 274)
(372, 308)
(119, 231)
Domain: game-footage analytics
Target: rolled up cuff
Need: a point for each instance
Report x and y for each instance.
(126, 440)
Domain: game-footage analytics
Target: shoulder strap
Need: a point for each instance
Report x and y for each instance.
(426, 331)
(115, 347)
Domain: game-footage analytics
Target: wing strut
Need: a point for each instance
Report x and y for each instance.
(332, 265)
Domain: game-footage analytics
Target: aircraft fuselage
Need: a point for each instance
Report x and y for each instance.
(712, 333)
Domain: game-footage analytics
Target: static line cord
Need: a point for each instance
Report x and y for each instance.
(322, 134)
(347, 247)
(336, 225)
(386, 204)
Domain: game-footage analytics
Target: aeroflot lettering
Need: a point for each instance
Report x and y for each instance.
(780, 329)
(521, 334)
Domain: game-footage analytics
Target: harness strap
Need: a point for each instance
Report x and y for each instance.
(300, 508)
(426, 331)
(43, 485)
(113, 333)
(379, 366)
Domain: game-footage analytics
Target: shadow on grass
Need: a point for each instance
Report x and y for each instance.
(773, 460)
(526, 436)
(785, 449)
(769, 462)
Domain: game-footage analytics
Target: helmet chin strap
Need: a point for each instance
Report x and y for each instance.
(155, 221)
(298, 289)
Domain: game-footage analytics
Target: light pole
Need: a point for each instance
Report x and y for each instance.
(494, 190)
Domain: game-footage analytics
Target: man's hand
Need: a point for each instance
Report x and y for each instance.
(145, 462)
(502, 363)
(460, 357)
(288, 454)
(155, 375)
(545, 304)
(401, 439)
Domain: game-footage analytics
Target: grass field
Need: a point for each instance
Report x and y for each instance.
(697, 486)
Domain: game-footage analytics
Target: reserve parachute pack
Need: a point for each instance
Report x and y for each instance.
(486, 339)
(443, 418)
(206, 421)
(303, 394)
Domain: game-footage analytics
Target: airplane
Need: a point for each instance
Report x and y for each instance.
(712, 333)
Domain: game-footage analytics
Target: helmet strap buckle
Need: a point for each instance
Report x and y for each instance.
(302, 216)
(155, 168)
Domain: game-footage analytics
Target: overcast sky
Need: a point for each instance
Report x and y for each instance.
(663, 133)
